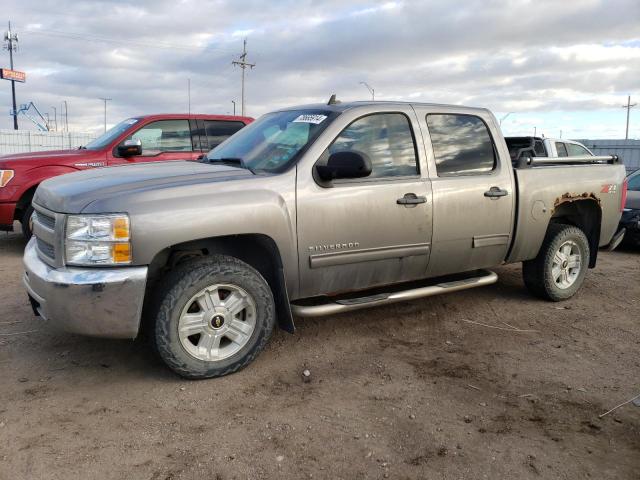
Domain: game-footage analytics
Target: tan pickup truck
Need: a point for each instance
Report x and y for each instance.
(310, 211)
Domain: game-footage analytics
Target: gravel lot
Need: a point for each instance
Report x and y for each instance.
(407, 391)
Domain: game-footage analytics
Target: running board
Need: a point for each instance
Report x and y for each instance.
(485, 277)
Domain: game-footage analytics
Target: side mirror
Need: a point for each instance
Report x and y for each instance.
(130, 148)
(346, 164)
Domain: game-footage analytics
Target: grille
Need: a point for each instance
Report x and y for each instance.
(45, 220)
(46, 249)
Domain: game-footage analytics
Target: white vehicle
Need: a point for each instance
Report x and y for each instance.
(545, 147)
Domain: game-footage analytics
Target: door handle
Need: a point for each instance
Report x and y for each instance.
(411, 199)
(496, 192)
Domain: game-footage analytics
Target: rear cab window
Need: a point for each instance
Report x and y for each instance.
(462, 145)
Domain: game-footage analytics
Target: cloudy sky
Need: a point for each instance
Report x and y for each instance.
(557, 65)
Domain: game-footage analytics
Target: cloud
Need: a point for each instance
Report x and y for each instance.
(578, 58)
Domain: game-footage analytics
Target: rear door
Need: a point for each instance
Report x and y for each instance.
(473, 195)
(217, 131)
(358, 233)
(161, 140)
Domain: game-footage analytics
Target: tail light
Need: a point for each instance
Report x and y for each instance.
(623, 194)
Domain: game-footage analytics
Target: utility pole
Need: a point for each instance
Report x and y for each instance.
(11, 44)
(105, 100)
(371, 90)
(234, 107)
(535, 130)
(243, 64)
(189, 94)
(628, 106)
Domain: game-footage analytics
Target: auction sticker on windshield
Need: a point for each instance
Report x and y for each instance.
(308, 118)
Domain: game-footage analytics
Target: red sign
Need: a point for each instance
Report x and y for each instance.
(15, 75)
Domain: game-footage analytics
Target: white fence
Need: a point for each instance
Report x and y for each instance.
(22, 141)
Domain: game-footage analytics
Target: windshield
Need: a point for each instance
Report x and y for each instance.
(110, 135)
(274, 141)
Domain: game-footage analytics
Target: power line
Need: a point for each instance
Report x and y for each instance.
(243, 64)
(628, 106)
(94, 38)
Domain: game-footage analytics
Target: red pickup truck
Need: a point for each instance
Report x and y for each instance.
(138, 139)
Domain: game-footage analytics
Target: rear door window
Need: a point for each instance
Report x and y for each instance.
(219, 130)
(462, 144)
(561, 149)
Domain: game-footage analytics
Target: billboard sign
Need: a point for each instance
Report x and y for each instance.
(8, 74)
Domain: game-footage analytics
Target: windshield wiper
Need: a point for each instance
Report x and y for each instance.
(235, 162)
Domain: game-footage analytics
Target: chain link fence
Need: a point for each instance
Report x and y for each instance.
(23, 141)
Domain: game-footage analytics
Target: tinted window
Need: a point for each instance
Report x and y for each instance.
(461, 144)
(562, 150)
(218, 131)
(634, 183)
(576, 150)
(164, 136)
(386, 138)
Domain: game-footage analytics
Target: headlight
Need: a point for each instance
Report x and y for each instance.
(97, 240)
(5, 177)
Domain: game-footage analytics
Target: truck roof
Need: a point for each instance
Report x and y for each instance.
(201, 116)
(343, 106)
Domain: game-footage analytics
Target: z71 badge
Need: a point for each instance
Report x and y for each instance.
(609, 188)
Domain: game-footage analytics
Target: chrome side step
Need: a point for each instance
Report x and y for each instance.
(486, 277)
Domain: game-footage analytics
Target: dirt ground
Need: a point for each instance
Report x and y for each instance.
(406, 391)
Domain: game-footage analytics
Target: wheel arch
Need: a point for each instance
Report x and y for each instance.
(584, 213)
(258, 250)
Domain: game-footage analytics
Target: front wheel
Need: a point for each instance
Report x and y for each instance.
(559, 269)
(27, 222)
(215, 315)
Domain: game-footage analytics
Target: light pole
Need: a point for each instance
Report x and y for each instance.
(371, 90)
(234, 107)
(628, 106)
(12, 45)
(504, 118)
(55, 119)
(105, 100)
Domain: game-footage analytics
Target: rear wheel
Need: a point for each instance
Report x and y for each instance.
(215, 315)
(559, 269)
(27, 222)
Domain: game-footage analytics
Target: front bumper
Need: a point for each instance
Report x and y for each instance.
(100, 302)
(7, 211)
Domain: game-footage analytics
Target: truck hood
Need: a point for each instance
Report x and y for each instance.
(71, 193)
(44, 155)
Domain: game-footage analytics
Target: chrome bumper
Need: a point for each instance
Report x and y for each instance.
(100, 302)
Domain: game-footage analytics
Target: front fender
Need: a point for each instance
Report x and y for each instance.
(164, 217)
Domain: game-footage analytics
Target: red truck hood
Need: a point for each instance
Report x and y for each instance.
(23, 162)
(43, 155)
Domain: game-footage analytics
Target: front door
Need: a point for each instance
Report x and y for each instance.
(354, 234)
(473, 197)
(161, 140)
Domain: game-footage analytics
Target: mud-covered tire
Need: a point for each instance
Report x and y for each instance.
(25, 222)
(178, 288)
(539, 273)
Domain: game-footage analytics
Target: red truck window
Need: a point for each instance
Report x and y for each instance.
(164, 136)
(219, 130)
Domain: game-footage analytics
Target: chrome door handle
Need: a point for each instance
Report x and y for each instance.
(496, 192)
(411, 199)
